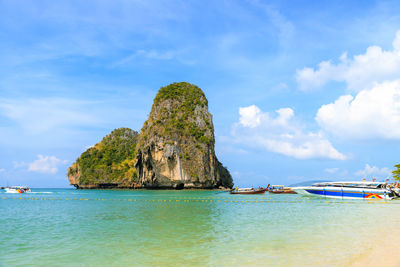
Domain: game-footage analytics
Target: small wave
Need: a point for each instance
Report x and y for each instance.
(39, 192)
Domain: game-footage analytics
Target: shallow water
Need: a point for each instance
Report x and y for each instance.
(64, 227)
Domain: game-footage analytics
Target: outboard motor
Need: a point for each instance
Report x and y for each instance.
(394, 192)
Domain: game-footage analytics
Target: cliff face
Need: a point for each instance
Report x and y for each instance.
(175, 148)
(110, 163)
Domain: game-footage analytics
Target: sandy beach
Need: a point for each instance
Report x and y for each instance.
(383, 252)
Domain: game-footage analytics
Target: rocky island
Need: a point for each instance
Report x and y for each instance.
(108, 164)
(175, 149)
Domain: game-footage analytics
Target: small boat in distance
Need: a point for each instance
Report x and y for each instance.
(350, 190)
(249, 191)
(17, 189)
(280, 189)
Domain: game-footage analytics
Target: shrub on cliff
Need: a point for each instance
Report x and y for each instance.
(109, 161)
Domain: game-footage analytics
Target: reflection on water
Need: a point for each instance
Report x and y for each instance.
(198, 228)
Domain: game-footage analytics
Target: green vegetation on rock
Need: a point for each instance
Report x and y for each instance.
(396, 173)
(193, 96)
(178, 111)
(110, 161)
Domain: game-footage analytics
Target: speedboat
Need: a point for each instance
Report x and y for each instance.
(349, 190)
(17, 189)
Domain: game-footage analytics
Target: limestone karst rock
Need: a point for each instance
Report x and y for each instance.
(175, 148)
(108, 164)
(176, 144)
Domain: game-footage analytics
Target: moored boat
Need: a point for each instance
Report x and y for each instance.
(17, 189)
(280, 189)
(249, 191)
(349, 190)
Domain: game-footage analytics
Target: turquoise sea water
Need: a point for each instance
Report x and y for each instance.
(66, 227)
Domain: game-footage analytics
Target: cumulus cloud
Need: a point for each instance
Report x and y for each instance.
(46, 164)
(373, 110)
(281, 133)
(359, 72)
(370, 171)
(250, 116)
(372, 113)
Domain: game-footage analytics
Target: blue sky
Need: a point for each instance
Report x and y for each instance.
(298, 90)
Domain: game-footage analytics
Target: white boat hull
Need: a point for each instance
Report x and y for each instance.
(344, 193)
(17, 190)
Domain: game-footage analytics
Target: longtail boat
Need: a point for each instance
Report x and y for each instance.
(249, 191)
(280, 189)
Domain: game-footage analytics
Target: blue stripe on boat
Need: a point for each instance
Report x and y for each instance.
(338, 193)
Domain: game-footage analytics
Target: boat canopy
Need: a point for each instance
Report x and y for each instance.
(245, 189)
(363, 184)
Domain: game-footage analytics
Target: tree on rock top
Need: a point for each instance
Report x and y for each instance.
(180, 110)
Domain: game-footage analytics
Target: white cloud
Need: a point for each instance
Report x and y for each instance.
(281, 134)
(332, 170)
(336, 173)
(250, 116)
(46, 164)
(285, 27)
(372, 113)
(374, 171)
(42, 114)
(154, 54)
(18, 164)
(374, 110)
(151, 54)
(359, 72)
(79, 28)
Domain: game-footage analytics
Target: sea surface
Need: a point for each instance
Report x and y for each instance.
(67, 227)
